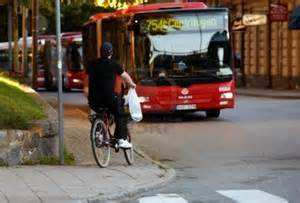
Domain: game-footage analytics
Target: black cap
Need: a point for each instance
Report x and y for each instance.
(106, 50)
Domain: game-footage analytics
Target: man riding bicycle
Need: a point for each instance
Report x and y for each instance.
(105, 90)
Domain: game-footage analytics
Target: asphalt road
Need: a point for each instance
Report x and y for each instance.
(255, 147)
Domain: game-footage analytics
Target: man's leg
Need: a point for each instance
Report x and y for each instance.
(117, 109)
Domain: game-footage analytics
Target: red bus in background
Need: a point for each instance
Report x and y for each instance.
(73, 71)
(179, 54)
(46, 67)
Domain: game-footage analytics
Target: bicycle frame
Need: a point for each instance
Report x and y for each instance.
(105, 117)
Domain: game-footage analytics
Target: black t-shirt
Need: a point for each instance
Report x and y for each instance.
(102, 78)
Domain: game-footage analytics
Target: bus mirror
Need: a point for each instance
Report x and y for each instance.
(221, 55)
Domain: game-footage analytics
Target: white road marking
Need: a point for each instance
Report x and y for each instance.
(251, 196)
(163, 198)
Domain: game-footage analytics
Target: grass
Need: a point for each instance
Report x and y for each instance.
(53, 160)
(3, 163)
(17, 107)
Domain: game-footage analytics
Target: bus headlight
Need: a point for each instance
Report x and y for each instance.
(227, 95)
(224, 88)
(77, 81)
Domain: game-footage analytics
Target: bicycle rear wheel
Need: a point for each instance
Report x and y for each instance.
(100, 143)
(129, 153)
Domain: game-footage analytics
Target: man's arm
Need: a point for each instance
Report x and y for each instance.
(126, 77)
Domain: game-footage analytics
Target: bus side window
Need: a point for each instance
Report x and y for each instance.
(89, 41)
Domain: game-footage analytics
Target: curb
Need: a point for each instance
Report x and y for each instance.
(267, 95)
(168, 177)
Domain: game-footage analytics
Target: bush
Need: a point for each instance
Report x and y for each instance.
(52, 160)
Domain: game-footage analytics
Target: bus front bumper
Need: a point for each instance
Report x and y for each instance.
(151, 107)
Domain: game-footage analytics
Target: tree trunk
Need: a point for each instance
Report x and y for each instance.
(15, 36)
(9, 37)
(24, 49)
(34, 24)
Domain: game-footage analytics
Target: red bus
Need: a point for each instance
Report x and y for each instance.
(73, 70)
(179, 54)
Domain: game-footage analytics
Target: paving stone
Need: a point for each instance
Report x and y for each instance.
(70, 183)
(2, 197)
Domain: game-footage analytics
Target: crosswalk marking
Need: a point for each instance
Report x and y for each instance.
(163, 198)
(251, 196)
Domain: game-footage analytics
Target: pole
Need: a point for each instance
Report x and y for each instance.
(10, 52)
(34, 24)
(59, 81)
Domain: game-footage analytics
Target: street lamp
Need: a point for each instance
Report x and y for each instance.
(59, 81)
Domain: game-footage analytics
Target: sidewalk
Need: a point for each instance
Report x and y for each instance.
(68, 184)
(85, 182)
(269, 93)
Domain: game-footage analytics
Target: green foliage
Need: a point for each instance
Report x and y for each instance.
(3, 163)
(26, 3)
(17, 108)
(73, 16)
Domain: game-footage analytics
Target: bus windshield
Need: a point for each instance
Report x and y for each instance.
(73, 58)
(183, 45)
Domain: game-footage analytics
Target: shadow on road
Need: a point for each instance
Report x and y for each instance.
(179, 118)
(75, 91)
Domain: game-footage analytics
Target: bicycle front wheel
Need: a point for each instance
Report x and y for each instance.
(100, 143)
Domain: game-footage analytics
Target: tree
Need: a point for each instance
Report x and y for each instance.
(74, 15)
(25, 7)
(15, 35)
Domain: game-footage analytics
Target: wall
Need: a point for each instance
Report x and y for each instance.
(284, 70)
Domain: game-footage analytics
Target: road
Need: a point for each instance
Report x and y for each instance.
(254, 148)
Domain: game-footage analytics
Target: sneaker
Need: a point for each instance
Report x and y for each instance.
(124, 144)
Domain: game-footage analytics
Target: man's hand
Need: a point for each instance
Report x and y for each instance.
(133, 85)
(126, 77)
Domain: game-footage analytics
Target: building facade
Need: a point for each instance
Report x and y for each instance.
(270, 52)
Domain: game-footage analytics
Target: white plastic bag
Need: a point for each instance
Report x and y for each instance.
(134, 105)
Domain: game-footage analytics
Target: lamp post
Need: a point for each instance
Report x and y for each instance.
(59, 82)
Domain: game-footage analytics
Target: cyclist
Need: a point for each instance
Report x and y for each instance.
(105, 90)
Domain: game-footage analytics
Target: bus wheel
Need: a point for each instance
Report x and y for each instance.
(213, 113)
(66, 89)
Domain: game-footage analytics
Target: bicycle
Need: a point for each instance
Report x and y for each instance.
(103, 140)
